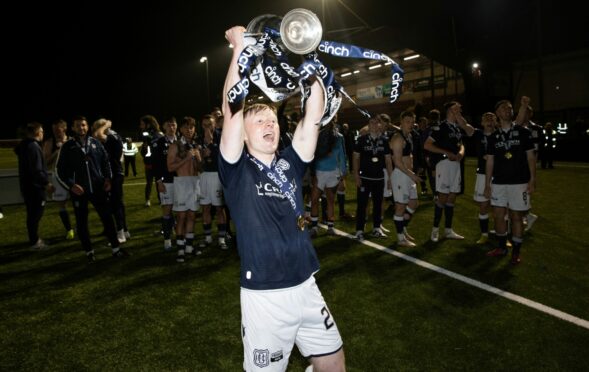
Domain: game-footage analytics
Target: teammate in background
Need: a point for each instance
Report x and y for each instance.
(184, 158)
(537, 139)
(113, 144)
(404, 179)
(130, 152)
(51, 148)
(481, 138)
(150, 131)
(330, 167)
(372, 154)
(83, 168)
(210, 185)
(164, 179)
(33, 180)
(280, 302)
(511, 167)
(445, 142)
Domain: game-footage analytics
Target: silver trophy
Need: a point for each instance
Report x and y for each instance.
(300, 29)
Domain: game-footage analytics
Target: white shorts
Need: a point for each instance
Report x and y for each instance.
(479, 189)
(404, 189)
(514, 197)
(328, 179)
(60, 193)
(386, 192)
(186, 191)
(448, 177)
(211, 190)
(274, 320)
(167, 197)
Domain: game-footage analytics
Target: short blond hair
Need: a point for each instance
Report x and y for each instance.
(257, 107)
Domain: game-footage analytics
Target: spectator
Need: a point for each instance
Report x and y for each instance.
(130, 152)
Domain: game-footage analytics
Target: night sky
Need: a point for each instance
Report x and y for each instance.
(121, 60)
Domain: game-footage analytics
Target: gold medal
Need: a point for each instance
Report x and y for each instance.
(301, 223)
(375, 159)
(508, 155)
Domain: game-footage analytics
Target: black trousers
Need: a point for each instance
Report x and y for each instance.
(374, 188)
(35, 203)
(116, 201)
(101, 203)
(148, 180)
(130, 160)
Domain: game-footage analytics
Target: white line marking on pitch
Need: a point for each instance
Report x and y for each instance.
(475, 283)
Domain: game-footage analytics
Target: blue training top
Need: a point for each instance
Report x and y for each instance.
(274, 253)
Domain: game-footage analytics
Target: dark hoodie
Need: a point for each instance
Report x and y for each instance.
(31, 167)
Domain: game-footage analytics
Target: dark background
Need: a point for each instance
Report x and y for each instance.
(122, 60)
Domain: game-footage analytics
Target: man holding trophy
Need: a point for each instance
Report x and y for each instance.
(281, 304)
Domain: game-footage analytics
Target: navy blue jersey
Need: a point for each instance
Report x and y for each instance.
(210, 160)
(510, 160)
(274, 252)
(480, 141)
(372, 156)
(447, 136)
(160, 159)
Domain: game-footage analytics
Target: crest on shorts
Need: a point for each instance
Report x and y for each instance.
(261, 358)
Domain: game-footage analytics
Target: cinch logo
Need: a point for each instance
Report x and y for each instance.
(261, 358)
(308, 70)
(340, 51)
(289, 69)
(239, 89)
(372, 55)
(272, 75)
(275, 49)
(243, 60)
(396, 83)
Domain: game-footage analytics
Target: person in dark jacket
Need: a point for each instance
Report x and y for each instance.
(34, 181)
(150, 132)
(113, 144)
(84, 169)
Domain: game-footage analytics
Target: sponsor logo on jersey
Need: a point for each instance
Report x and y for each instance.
(276, 356)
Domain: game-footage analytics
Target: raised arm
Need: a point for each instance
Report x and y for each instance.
(521, 114)
(305, 136)
(232, 136)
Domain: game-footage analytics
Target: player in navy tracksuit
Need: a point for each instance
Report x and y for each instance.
(83, 168)
(33, 180)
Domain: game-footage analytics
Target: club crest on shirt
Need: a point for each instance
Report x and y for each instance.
(261, 358)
